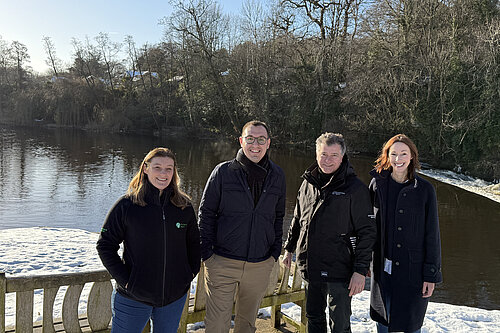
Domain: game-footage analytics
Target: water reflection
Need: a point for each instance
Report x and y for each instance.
(69, 178)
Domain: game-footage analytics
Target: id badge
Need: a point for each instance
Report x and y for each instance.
(388, 266)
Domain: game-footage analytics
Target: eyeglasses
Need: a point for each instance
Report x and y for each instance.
(261, 140)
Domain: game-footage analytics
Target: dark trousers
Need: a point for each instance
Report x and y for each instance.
(335, 295)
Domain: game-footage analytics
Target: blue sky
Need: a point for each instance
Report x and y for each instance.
(28, 21)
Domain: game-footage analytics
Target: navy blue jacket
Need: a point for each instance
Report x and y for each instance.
(416, 254)
(231, 225)
(161, 248)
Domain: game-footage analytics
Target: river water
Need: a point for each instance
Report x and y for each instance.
(70, 179)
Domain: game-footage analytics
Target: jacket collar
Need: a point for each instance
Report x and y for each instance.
(338, 178)
(153, 195)
(383, 177)
(235, 165)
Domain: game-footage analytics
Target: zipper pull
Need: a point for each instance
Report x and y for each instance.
(163, 213)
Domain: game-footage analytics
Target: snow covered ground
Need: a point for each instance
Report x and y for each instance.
(38, 251)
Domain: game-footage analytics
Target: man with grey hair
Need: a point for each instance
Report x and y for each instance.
(332, 233)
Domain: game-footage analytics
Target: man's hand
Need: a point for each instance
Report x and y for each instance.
(287, 259)
(428, 289)
(357, 284)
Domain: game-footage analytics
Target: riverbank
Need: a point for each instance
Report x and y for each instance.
(37, 251)
(475, 180)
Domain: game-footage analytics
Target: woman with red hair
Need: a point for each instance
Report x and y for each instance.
(407, 253)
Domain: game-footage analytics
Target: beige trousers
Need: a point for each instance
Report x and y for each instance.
(224, 277)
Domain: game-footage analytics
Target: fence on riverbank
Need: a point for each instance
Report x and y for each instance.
(284, 287)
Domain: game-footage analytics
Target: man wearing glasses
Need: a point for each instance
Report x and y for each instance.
(241, 220)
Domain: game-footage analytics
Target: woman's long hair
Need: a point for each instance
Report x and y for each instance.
(383, 161)
(137, 187)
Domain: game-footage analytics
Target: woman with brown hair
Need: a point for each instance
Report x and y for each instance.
(157, 225)
(407, 253)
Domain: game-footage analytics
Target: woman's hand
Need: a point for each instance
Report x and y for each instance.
(428, 289)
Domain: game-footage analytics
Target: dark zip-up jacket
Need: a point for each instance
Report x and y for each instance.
(416, 252)
(232, 225)
(324, 221)
(161, 248)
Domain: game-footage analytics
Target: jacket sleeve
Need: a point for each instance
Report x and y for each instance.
(193, 242)
(111, 236)
(278, 221)
(294, 230)
(208, 214)
(364, 228)
(432, 240)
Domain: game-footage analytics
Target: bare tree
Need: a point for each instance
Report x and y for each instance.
(254, 23)
(329, 22)
(19, 54)
(201, 25)
(5, 61)
(50, 50)
(87, 65)
(108, 51)
(134, 60)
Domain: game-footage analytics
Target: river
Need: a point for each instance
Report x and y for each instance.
(70, 178)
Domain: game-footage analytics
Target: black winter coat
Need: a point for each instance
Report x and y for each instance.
(161, 248)
(231, 225)
(325, 219)
(416, 254)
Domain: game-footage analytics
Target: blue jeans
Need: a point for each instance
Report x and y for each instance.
(131, 316)
(335, 295)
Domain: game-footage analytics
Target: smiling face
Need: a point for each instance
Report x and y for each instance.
(254, 151)
(329, 158)
(400, 158)
(160, 171)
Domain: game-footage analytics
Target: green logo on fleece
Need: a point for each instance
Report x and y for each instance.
(180, 225)
(104, 230)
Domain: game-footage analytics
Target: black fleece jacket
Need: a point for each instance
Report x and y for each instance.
(161, 248)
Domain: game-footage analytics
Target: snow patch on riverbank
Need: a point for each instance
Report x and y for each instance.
(39, 251)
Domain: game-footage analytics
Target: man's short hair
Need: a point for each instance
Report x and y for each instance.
(331, 139)
(256, 123)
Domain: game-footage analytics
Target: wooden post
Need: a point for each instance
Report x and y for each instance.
(303, 318)
(71, 300)
(49, 296)
(24, 311)
(99, 306)
(3, 291)
(200, 294)
(183, 322)
(276, 316)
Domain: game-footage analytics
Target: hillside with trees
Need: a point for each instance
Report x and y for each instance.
(368, 69)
